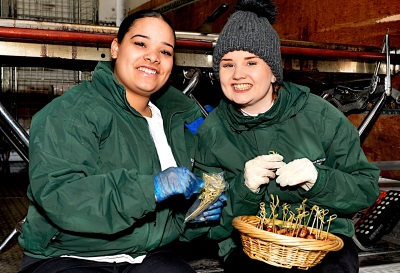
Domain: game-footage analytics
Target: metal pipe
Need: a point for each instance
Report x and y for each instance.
(95, 15)
(217, 13)
(22, 134)
(193, 44)
(17, 229)
(106, 38)
(194, 76)
(388, 78)
(332, 53)
(23, 153)
(120, 12)
(54, 35)
(8, 239)
(17, 131)
(173, 5)
(375, 78)
(202, 109)
(43, 35)
(371, 117)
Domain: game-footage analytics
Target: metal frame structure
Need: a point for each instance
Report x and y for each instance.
(68, 11)
(71, 42)
(92, 43)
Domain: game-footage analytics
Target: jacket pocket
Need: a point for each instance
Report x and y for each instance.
(37, 232)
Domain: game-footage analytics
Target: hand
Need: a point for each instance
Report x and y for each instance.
(197, 123)
(298, 172)
(176, 180)
(259, 170)
(194, 125)
(213, 212)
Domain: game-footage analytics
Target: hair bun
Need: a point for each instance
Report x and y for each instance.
(263, 8)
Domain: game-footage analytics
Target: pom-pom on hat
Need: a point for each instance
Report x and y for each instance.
(250, 29)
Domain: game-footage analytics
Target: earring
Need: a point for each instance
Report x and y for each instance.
(273, 79)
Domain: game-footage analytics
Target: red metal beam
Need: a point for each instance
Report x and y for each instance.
(54, 35)
(42, 35)
(335, 54)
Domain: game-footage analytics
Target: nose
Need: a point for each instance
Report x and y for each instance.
(152, 57)
(239, 73)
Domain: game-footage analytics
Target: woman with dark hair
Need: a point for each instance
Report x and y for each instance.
(274, 138)
(109, 168)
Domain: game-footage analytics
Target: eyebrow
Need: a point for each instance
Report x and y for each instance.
(246, 58)
(148, 38)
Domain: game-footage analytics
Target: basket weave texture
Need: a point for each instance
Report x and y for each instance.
(281, 250)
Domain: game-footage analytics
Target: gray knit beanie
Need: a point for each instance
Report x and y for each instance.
(249, 28)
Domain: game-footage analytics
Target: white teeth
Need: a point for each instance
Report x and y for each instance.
(149, 71)
(243, 86)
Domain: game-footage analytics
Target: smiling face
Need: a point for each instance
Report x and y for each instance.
(144, 58)
(247, 80)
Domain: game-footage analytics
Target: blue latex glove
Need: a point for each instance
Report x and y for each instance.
(176, 180)
(196, 124)
(213, 212)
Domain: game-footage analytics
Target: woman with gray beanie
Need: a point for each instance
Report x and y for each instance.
(316, 150)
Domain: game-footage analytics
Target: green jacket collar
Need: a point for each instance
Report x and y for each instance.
(291, 98)
(169, 99)
(108, 86)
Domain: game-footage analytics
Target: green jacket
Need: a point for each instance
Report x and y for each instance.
(298, 125)
(92, 162)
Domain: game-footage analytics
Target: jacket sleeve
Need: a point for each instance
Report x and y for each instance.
(346, 182)
(68, 186)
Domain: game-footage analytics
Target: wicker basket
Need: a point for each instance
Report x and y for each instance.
(281, 250)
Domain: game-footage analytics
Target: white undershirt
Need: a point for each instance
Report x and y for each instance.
(160, 139)
(254, 115)
(166, 160)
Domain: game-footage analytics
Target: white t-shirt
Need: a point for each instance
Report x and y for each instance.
(160, 139)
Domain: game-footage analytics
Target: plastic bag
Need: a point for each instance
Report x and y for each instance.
(214, 186)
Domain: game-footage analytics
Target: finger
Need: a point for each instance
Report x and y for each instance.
(222, 198)
(216, 204)
(293, 171)
(212, 218)
(255, 160)
(209, 213)
(290, 179)
(200, 183)
(262, 180)
(282, 181)
(270, 164)
(296, 166)
(284, 174)
(272, 157)
(193, 177)
(271, 175)
(199, 219)
(283, 169)
(274, 165)
(266, 173)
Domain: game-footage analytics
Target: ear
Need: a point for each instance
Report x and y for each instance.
(273, 79)
(114, 48)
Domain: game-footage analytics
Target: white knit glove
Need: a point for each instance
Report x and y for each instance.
(300, 172)
(260, 169)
